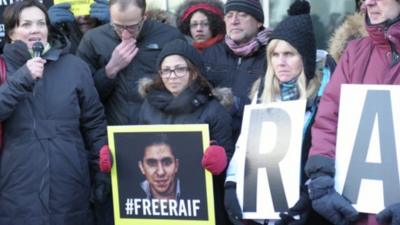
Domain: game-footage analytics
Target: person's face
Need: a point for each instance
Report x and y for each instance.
(240, 26)
(382, 10)
(286, 62)
(160, 166)
(174, 73)
(200, 27)
(127, 23)
(85, 23)
(32, 27)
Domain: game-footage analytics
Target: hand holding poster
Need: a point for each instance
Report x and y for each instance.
(271, 140)
(367, 153)
(157, 177)
(78, 7)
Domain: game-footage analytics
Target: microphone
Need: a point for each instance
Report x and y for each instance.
(37, 49)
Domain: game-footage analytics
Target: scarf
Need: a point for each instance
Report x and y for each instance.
(289, 90)
(210, 42)
(249, 48)
(188, 101)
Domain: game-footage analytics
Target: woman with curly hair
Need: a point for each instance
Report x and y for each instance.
(201, 20)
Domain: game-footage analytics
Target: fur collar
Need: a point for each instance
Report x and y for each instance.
(223, 94)
(353, 27)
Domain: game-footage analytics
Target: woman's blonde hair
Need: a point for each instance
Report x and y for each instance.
(271, 89)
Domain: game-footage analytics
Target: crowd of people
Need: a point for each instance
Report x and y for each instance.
(125, 65)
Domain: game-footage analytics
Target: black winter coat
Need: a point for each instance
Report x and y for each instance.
(120, 97)
(193, 106)
(190, 107)
(54, 127)
(225, 69)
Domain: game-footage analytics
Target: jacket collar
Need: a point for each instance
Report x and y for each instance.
(385, 35)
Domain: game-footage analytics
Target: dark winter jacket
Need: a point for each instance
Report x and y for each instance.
(119, 96)
(224, 69)
(54, 127)
(194, 106)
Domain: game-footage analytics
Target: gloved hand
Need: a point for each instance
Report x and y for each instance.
(330, 204)
(232, 203)
(325, 200)
(298, 214)
(100, 11)
(390, 215)
(60, 13)
(214, 159)
(101, 187)
(105, 159)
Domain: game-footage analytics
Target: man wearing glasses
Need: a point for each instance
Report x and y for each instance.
(119, 54)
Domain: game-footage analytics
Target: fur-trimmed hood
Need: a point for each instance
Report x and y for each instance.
(353, 27)
(223, 94)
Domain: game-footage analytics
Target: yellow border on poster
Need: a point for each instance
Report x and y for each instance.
(78, 7)
(203, 128)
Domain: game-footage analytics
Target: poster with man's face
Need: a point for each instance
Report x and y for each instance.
(157, 177)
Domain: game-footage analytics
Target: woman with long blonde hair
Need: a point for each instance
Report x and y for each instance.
(293, 73)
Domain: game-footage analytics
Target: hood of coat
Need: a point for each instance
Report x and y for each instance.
(353, 27)
(222, 94)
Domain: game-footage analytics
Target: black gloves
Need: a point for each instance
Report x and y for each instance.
(325, 200)
(390, 215)
(330, 204)
(101, 187)
(298, 214)
(232, 203)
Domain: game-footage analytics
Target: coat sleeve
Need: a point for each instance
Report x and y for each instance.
(87, 51)
(221, 128)
(324, 129)
(15, 89)
(92, 119)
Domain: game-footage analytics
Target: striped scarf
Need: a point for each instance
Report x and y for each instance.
(250, 47)
(289, 90)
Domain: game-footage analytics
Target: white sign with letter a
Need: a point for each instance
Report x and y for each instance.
(367, 153)
(269, 174)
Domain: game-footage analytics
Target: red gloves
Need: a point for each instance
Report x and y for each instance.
(214, 159)
(105, 159)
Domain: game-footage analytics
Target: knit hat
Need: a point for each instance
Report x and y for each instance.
(252, 7)
(182, 48)
(297, 29)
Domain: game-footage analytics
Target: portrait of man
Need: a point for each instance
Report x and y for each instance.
(159, 175)
(159, 166)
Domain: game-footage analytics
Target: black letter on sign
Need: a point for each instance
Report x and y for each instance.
(377, 106)
(270, 161)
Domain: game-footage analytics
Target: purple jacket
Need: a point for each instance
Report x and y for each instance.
(367, 60)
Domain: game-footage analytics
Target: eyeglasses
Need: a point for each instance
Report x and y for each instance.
(179, 72)
(130, 28)
(201, 24)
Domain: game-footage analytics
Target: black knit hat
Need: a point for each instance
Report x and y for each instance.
(252, 7)
(297, 29)
(182, 48)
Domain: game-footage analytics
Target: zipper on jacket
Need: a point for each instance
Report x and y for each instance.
(239, 62)
(395, 57)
